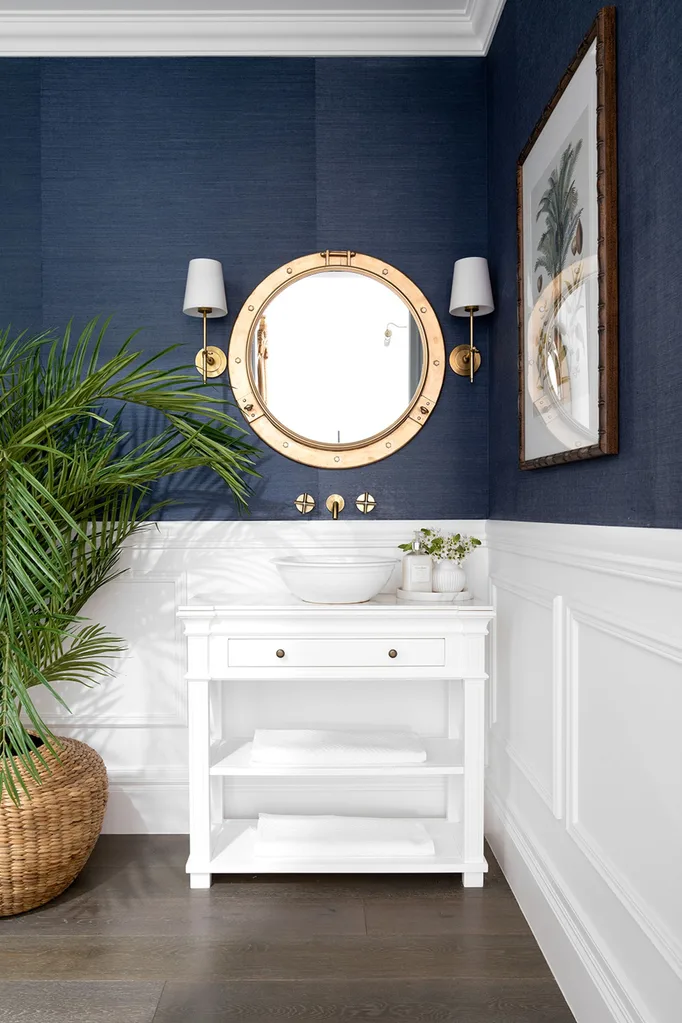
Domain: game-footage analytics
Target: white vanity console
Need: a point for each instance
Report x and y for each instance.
(377, 642)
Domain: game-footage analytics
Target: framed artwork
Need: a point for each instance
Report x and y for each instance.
(567, 264)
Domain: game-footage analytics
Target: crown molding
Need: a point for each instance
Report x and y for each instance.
(293, 33)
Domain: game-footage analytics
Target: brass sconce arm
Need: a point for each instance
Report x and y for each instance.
(210, 361)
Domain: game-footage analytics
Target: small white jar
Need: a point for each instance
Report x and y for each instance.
(448, 577)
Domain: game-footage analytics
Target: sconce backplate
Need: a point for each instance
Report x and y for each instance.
(216, 361)
(459, 360)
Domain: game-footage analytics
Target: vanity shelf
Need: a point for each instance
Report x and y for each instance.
(233, 853)
(384, 641)
(231, 757)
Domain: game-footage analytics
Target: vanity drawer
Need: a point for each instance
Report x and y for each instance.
(335, 653)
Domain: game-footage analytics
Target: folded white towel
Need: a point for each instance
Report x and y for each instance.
(333, 748)
(330, 837)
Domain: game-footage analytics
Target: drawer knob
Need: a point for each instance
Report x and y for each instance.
(280, 653)
(392, 653)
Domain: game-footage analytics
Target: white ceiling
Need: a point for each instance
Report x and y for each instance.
(238, 27)
(184, 6)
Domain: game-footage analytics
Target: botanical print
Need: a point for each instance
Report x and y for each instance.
(563, 295)
(568, 264)
(559, 205)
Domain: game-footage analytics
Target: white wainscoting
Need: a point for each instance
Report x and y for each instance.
(138, 720)
(584, 790)
(584, 794)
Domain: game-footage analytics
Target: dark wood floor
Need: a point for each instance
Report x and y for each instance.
(129, 943)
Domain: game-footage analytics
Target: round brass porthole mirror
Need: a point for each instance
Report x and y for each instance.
(336, 360)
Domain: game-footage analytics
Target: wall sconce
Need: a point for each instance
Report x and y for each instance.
(471, 296)
(388, 333)
(205, 296)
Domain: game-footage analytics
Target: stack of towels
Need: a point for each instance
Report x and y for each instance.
(338, 837)
(313, 747)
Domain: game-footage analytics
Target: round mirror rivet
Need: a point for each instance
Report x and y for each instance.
(385, 273)
(250, 308)
(436, 362)
(289, 270)
(388, 445)
(423, 309)
(286, 444)
(237, 360)
(337, 458)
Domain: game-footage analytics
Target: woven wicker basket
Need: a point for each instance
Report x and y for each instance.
(47, 839)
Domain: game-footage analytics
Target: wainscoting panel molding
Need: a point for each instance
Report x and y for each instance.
(591, 862)
(531, 743)
(648, 899)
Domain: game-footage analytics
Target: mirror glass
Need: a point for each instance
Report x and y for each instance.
(336, 357)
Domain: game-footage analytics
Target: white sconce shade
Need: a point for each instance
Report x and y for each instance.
(471, 288)
(205, 289)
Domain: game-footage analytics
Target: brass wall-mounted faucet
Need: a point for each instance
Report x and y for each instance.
(335, 504)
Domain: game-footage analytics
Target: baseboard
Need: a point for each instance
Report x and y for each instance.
(149, 802)
(583, 970)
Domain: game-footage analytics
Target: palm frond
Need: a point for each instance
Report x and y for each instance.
(559, 205)
(72, 491)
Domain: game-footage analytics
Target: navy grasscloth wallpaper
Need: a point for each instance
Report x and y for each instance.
(146, 163)
(534, 42)
(20, 279)
(116, 172)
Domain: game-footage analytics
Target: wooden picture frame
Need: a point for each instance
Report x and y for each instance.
(567, 228)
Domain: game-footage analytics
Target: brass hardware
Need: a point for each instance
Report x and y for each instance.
(305, 503)
(215, 362)
(465, 360)
(279, 653)
(365, 503)
(460, 360)
(210, 361)
(392, 653)
(335, 504)
(244, 365)
(329, 254)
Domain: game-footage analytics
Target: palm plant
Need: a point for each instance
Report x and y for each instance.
(559, 204)
(72, 490)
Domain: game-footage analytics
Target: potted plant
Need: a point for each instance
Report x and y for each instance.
(448, 551)
(73, 487)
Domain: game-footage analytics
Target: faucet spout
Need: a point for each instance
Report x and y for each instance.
(335, 504)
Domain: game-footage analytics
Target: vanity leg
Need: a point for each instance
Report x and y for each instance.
(474, 711)
(453, 800)
(198, 712)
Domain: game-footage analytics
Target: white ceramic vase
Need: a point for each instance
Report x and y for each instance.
(448, 577)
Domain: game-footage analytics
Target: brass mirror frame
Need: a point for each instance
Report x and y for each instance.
(337, 456)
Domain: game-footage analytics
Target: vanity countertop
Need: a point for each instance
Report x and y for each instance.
(202, 605)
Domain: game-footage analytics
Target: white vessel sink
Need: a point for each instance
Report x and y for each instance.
(335, 579)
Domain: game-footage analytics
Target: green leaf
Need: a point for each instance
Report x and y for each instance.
(71, 494)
